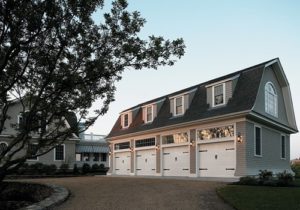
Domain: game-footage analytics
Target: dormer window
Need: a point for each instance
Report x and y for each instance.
(125, 121)
(149, 114)
(218, 94)
(178, 106)
(271, 106)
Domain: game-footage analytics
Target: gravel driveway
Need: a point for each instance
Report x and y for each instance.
(88, 193)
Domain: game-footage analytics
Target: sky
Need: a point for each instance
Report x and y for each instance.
(221, 36)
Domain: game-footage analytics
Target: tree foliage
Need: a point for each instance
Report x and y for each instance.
(55, 60)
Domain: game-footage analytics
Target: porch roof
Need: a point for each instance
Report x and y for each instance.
(91, 149)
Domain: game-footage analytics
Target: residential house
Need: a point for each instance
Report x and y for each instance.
(231, 126)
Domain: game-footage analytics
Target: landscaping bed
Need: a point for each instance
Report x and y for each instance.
(15, 195)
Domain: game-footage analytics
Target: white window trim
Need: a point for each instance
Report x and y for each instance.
(182, 98)
(276, 102)
(282, 135)
(64, 152)
(146, 114)
(261, 151)
(123, 120)
(32, 160)
(213, 95)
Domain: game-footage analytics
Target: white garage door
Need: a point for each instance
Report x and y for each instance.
(122, 163)
(146, 162)
(176, 161)
(217, 159)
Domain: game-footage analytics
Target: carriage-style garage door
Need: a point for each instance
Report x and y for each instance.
(217, 159)
(176, 161)
(146, 162)
(122, 163)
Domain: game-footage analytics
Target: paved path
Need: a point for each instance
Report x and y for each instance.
(88, 193)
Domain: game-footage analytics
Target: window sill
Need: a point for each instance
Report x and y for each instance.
(259, 156)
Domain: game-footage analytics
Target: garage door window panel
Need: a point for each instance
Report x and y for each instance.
(123, 145)
(145, 142)
(216, 133)
(177, 138)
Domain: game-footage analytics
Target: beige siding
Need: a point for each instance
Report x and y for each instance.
(111, 159)
(241, 150)
(192, 152)
(158, 154)
(132, 157)
(186, 102)
(172, 106)
(154, 111)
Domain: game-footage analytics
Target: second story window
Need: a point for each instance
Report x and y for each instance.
(178, 105)
(149, 114)
(125, 120)
(271, 100)
(219, 94)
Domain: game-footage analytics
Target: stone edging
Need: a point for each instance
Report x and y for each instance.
(59, 195)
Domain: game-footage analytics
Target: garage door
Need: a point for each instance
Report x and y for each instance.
(217, 159)
(122, 163)
(176, 161)
(146, 162)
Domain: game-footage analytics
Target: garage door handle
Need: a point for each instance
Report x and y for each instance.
(185, 169)
(229, 169)
(203, 169)
(166, 169)
(166, 153)
(153, 169)
(185, 152)
(138, 169)
(203, 150)
(229, 149)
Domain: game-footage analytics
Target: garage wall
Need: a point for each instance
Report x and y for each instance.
(241, 150)
(158, 157)
(193, 152)
(271, 147)
(132, 157)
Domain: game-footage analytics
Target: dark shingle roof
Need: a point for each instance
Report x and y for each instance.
(243, 98)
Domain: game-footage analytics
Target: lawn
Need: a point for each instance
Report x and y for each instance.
(260, 197)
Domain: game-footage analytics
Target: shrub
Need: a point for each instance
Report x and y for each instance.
(285, 179)
(86, 168)
(23, 169)
(95, 167)
(264, 175)
(64, 168)
(50, 169)
(296, 170)
(248, 180)
(36, 168)
(75, 169)
(101, 166)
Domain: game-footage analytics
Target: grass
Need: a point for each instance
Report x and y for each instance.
(243, 197)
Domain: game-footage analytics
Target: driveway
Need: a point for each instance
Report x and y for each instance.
(111, 193)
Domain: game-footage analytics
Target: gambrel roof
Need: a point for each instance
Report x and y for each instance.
(242, 101)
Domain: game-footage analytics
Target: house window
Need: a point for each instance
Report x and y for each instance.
(257, 141)
(22, 119)
(103, 157)
(125, 120)
(32, 150)
(178, 105)
(3, 147)
(271, 100)
(96, 157)
(86, 156)
(59, 153)
(283, 143)
(219, 94)
(149, 114)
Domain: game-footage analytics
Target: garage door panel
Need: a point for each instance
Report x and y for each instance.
(217, 159)
(146, 162)
(176, 161)
(122, 163)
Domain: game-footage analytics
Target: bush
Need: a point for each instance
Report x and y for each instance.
(264, 175)
(50, 169)
(23, 169)
(64, 168)
(296, 170)
(36, 168)
(285, 179)
(86, 168)
(95, 167)
(101, 166)
(75, 169)
(248, 180)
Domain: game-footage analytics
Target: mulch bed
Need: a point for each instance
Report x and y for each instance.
(15, 195)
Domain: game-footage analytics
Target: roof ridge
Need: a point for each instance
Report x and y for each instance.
(200, 84)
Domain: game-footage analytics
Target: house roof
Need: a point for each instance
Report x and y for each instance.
(243, 99)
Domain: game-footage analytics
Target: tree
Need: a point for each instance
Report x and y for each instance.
(57, 61)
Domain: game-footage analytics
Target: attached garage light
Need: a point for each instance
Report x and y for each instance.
(157, 147)
(239, 138)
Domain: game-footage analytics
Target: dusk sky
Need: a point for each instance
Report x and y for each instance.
(221, 37)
